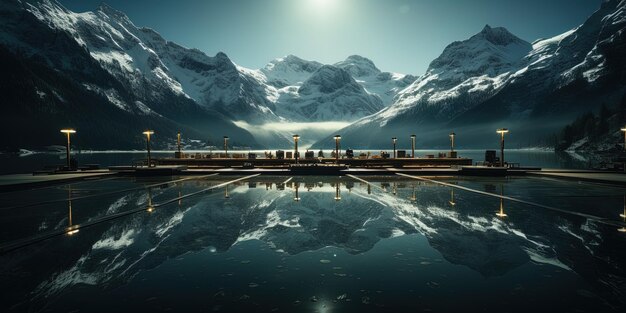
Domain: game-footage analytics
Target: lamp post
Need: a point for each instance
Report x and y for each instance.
(452, 134)
(295, 141)
(337, 139)
(68, 132)
(178, 144)
(226, 145)
(624, 130)
(394, 140)
(413, 146)
(148, 133)
(502, 131)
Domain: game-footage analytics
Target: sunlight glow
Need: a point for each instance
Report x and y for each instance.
(322, 3)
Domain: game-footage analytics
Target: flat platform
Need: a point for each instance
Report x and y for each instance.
(355, 162)
(26, 181)
(612, 178)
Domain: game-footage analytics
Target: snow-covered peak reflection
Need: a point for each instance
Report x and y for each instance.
(307, 215)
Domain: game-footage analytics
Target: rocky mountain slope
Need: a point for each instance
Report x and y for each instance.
(495, 79)
(71, 70)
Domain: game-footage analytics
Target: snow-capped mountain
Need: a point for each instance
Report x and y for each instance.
(289, 71)
(96, 72)
(309, 91)
(153, 71)
(328, 94)
(495, 79)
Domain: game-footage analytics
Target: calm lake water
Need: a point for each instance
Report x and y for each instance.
(13, 163)
(313, 244)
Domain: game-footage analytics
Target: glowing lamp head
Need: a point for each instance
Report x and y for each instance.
(413, 136)
(394, 139)
(452, 134)
(68, 131)
(502, 131)
(148, 132)
(226, 138)
(623, 129)
(296, 137)
(337, 137)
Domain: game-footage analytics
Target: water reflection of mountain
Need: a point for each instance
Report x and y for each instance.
(353, 216)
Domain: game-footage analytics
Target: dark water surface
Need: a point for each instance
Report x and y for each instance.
(14, 163)
(343, 246)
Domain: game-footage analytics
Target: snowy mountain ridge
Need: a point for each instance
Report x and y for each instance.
(494, 78)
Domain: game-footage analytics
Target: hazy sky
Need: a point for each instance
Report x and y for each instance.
(398, 35)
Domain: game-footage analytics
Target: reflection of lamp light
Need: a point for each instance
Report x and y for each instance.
(148, 133)
(623, 215)
(337, 139)
(226, 195)
(501, 213)
(337, 194)
(369, 189)
(71, 229)
(502, 131)
(413, 195)
(150, 208)
(297, 197)
(394, 189)
(452, 203)
(68, 132)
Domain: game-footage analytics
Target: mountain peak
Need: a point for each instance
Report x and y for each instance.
(112, 12)
(358, 66)
(498, 36)
(291, 58)
(222, 56)
(492, 51)
(328, 79)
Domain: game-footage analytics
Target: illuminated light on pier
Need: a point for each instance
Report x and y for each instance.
(502, 131)
(68, 132)
(295, 141)
(337, 140)
(148, 134)
(226, 145)
(452, 134)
